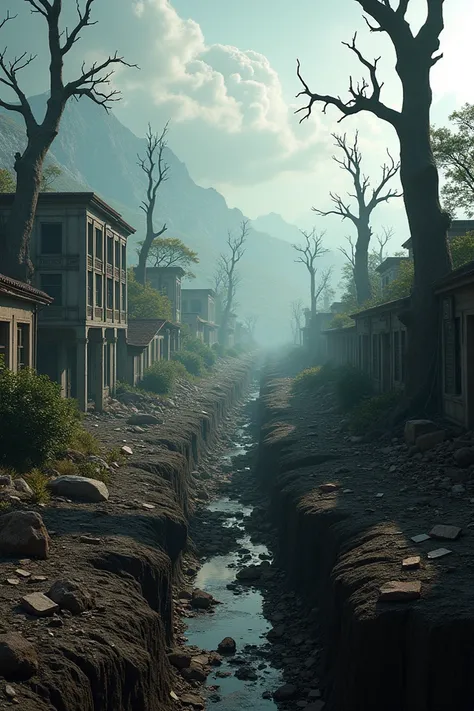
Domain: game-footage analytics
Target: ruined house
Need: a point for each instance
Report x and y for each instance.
(148, 340)
(199, 314)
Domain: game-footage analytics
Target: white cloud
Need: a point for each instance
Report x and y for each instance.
(226, 105)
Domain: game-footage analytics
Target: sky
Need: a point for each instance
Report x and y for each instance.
(224, 73)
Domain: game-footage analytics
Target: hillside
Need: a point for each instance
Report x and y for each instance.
(98, 152)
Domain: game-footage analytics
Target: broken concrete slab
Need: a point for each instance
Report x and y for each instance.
(39, 605)
(445, 532)
(417, 428)
(400, 591)
(411, 563)
(438, 553)
(420, 538)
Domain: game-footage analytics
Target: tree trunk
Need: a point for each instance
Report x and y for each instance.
(227, 311)
(140, 271)
(361, 263)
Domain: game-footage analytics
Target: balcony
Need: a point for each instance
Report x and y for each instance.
(123, 275)
(116, 315)
(116, 274)
(99, 313)
(110, 314)
(90, 312)
(98, 265)
(57, 262)
(109, 271)
(89, 261)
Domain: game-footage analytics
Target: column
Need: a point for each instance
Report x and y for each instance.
(113, 364)
(82, 375)
(99, 356)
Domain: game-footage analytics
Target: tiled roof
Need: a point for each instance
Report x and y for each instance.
(23, 290)
(141, 331)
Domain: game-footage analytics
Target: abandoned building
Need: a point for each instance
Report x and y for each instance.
(167, 280)
(20, 305)
(199, 314)
(148, 340)
(389, 271)
(78, 247)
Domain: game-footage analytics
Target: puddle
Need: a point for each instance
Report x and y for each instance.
(239, 616)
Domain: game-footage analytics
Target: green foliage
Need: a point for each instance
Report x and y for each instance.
(38, 483)
(462, 249)
(369, 413)
(146, 302)
(232, 352)
(400, 287)
(171, 252)
(341, 321)
(161, 377)
(194, 345)
(454, 154)
(114, 455)
(219, 349)
(85, 442)
(50, 174)
(7, 181)
(92, 470)
(193, 362)
(64, 467)
(36, 422)
(352, 387)
(311, 379)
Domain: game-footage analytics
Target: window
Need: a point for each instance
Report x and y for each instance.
(117, 295)
(52, 284)
(98, 291)
(51, 238)
(195, 306)
(452, 356)
(99, 243)
(124, 256)
(5, 343)
(22, 346)
(117, 254)
(124, 297)
(90, 289)
(110, 250)
(90, 239)
(110, 294)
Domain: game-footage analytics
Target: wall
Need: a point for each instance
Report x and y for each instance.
(16, 312)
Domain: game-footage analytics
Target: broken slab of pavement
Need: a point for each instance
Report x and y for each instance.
(399, 654)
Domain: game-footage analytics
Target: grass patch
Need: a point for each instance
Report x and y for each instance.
(38, 483)
(114, 455)
(311, 379)
(352, 387)
(85, 442)
(92, 470)
(64, 467)
(368, 414)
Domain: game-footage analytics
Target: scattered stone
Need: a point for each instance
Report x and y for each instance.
(90, 540)
(194, 672)
(347, 491)
(174, 695)
(6, 480)
(314, 694)
(276, 632)
(430, 440)
(445, 533)
(10, 692)
(126, 450)
(215, 660)
(179, 659)
(411, 563)
(416, 428)
(201, 600)
(192, 700)
(39, 605)
(21, 485)
(79, 488)
(267, 695)
(420, 538)
(13, 581)
(23, 573)
(71, 596)
(458, 489)
(379, 495)
(37, 579)
(328, 487)
(23, 533)
(400, 591)
(142, 418)
(56, 622)
(148, 507)
(252, 572)
(18, 658)
(246, 673)
(287, 692)
(464, 457)
(227, 646)
(438, 553)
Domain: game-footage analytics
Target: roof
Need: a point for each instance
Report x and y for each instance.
(85, 199)
(141, 332)
(179, 271)
(339, 330)
(458, 277)
(395, 305)
(188, 292)
(21, 290)
(390, 262)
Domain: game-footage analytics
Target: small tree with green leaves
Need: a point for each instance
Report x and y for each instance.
(171, 252)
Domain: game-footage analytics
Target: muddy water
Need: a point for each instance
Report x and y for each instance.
(240, 614)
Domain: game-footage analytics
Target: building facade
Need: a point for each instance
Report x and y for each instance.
(78, 247)
(20, 305)
(167, 280)
(199, 314)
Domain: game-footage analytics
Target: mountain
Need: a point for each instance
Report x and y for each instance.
(274, 225)
(95, 151)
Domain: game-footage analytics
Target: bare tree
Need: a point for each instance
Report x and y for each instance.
(323, 286)
(227, 267)
(297, 315)
(250, 322)
(382, 241)
(367, 199)
(416, 53)
(92, 82)
(153, 159)
(310, 251)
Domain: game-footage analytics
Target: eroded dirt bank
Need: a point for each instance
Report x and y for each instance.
(126, 554)
(345, 512)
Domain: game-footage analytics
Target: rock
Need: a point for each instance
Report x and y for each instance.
(10, 692)
(192, 700)
(179, 659)
(430, 440)
(71, 596)
(464, 457)
(276, 632)
(37, 579)
(314, 694)
(417, 428)
(13, 581)
(252, 572)
(18, 658)
(23, 533)
(287, 692)
(411, 563)
(142, 418)
(445, 533)
(215, 660)
(126, 450)
(39, 605)
(328, 487)
(438, 553)
(227, 646)
(201, 600)
(23, 573)
(21, 485)
(400, 591)
(246, 673)
(316, 706)
(75, 456)
(194, 672)
(98, 460)
(6, 480)
(79, 488)
(90, 540)
(267, 695)
(458, 489)
(420, 538)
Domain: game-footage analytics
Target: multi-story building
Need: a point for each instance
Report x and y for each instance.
(389, 271)
(199, 314)
(78, 248)
(167, 280)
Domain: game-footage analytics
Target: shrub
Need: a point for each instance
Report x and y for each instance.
(92, 470)
(194, 345)
(352, 386)
(193, 362)
(36, 422)
(219, 349)
(38, 483)
(64, 467)
(114, 455)
(369, 413)
(85, 442)
(160, 378)
(310, 379)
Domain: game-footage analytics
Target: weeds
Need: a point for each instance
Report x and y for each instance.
(38, 483)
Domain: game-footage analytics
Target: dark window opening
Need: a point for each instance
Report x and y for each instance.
(90, 289)
(124, 256)
(51, 238)
(124, 297)
(117, 254)
(23, 346)
(117, 295)
(98, 291)
(110, 250)
(99, 243)
(110, 294)
(52, 284)
(90, 239)
(195, 306)
(452, 356)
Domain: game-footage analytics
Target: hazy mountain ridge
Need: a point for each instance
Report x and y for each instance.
(96, 151)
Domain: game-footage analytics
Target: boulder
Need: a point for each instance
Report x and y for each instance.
(246, 673)
(18, 658)
(464, 457)
(23, 534)
(430, 440)
(6, 480)
(192, 700)
(227, 646)
(287, 692)
(39, 605)
(143, 418)
(79, 488)
(22, 486)
(71, 596)
(249, 574)
(194, 672)
(179, 659)
(201, 600)
(416, 428)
